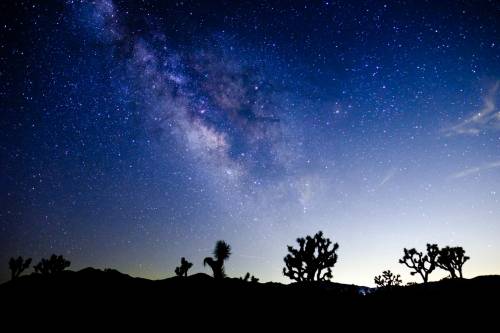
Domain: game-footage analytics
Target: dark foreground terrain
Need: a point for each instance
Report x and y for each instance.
(92, 294)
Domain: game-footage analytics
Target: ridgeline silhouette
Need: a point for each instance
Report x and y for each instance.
(311, 296)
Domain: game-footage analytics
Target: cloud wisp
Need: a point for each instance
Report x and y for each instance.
(488, 118)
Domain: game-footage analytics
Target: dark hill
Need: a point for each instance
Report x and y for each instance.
(96, 293)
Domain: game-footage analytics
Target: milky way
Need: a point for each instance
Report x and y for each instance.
(134, 134)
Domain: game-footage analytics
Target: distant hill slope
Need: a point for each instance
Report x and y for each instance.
(103, 277)
(95, 292)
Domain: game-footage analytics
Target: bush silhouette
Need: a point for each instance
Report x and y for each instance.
(388, 279)
(422, 264)
(183, 269)
(222, 251)
(313, 256)
(451, 259)
(249, 278)
(17, 266)
(54, 265)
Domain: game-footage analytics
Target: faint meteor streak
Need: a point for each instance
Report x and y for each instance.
(474, 170)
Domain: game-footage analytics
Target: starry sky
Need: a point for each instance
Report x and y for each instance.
(136, 132)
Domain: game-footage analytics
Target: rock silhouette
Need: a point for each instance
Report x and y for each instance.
(313, 260)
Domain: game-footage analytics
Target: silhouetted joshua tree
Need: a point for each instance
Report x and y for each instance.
(420, 263)
(313, 256)
(183, 269)
(452, 259)
(54, 265)
(388, 279)
(17, 266)
(222, 251)
(249, 278)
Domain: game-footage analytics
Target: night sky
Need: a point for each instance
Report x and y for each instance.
(134, 133)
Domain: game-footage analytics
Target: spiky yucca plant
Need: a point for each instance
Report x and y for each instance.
(221, 253)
